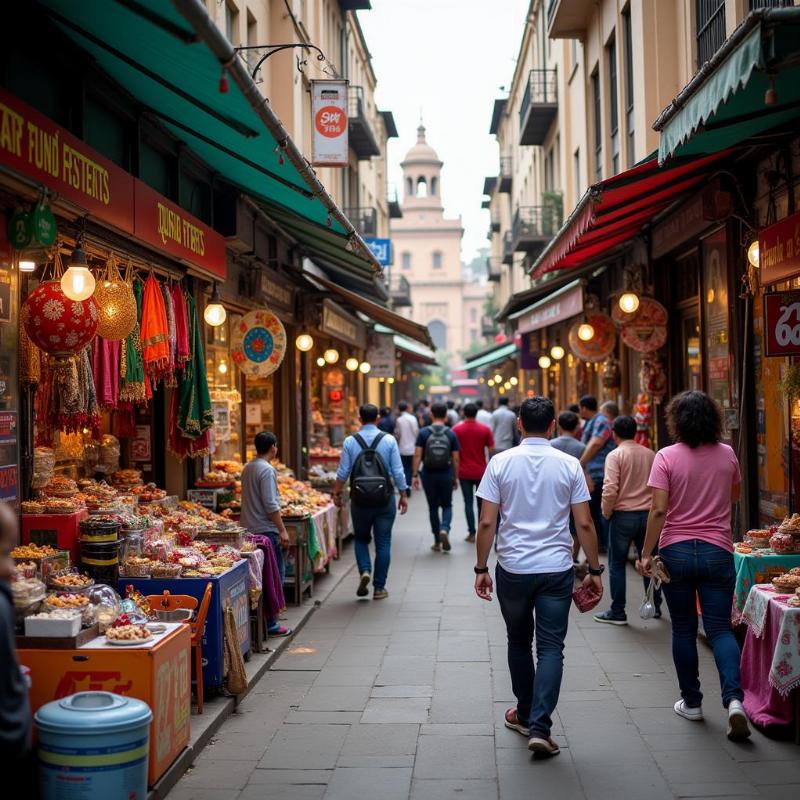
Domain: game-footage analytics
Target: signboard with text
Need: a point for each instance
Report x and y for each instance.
(782, 323)
(381, 249)
(380, 355)
(330, 143)
(548, 312)
(779, 250)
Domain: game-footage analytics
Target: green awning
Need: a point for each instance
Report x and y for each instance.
(172, 67)
(418, 351)
(725, 103)
(499, 353)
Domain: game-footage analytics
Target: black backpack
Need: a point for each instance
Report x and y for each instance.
(370, 484)
(438, 452)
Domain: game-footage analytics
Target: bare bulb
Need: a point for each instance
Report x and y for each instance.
(586, 332)
(78, 283)
(557, 352)
(629, 302)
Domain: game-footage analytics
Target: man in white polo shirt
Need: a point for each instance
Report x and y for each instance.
(534, 486)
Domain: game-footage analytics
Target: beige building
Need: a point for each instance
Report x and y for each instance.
(427, 253)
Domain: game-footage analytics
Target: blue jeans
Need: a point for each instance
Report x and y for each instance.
(438, 488)
(595, 507)
(408, 463)
(700, 568)
(377, 522)
(539, 602)
(468, 488)
(625, 527)
(276, 546)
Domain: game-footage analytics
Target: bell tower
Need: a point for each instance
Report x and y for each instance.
(422, 169)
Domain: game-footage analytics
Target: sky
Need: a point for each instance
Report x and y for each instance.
(447, 59)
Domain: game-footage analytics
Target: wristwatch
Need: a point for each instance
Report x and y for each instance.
(481, 570)
(599, 571)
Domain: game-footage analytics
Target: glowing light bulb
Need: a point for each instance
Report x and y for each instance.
(304, 342)
(215, 313)
(544, 362)
(222, 368)
(498, 378)
(77, 282)
(753, 254)
(364, 367)
(629, 302)
(513, 380)
(557, 352)
(351, 364)
(321, 362)
(490, 382)
(27, 266)
(331, 355)
(586, 332)
(421, 386)
(390, 381)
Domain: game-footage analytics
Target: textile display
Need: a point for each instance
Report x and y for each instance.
(754, 568)
(274, 600)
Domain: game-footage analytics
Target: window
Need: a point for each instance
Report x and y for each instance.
(405, 260)
(422, 187)
(437, 260)
(613, 97)
(473, 334)
(438, 331)
(709, 28)
(409, 187)
(549, 170)
(231, 23)
(576, 169)
(598, 126)
(252, 56)
(433, 187)
(629, 119)
(473, 315)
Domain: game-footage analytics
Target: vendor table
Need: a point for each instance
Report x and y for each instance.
(156, 672)
(771, 659)
(752, 569)
(229, 588)
(313, 545)
(61, 531)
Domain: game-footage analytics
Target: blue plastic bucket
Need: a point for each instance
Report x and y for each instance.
(93, 745)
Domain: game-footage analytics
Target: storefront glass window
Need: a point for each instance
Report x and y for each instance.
(715, 303)
(9, 392)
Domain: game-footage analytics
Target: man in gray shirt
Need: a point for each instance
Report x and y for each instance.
(261, 507)
(504, 425)
(566, 442)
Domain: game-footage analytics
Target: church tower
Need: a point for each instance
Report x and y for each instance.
(422, 170)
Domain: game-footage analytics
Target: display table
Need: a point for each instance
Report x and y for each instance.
(324, 523)
(229, 588)
(156, 672)
(752, 569)
(771, 658)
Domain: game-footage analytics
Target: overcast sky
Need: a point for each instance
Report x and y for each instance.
(448, 59)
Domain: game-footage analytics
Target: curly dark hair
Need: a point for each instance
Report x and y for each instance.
(694, 418)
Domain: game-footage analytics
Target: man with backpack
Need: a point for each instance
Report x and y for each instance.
(437, 451)
(371, 460)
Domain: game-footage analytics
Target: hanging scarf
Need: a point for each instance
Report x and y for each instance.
(106, 370)
(183, 350)
(154, 332)
(132, 384)
(73, 402)
(167, 295)
(30, 360)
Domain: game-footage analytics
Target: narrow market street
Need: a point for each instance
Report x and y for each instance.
(405, 698)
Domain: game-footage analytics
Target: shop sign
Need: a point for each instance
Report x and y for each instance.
(552, 310)
(782, 323)
(779, 250)
(8, 427)
(167, 227)
(8, 482)
(275, 292)
(381, 355)
(38, 148)
(338, 323)
(330, 144)
(381, 249)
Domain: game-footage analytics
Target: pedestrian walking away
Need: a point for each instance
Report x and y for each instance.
(386, 421)
(695, 481)
(534, 486)
(625, 504)
(437, 454)
(452, 415)
(476, 444)
(483, 416)
(599, 443)
(261, 508)
(406, 429)
(504, 426)
(371, 461)
(568, 423)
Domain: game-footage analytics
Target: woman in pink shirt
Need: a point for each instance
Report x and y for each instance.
(694, 483)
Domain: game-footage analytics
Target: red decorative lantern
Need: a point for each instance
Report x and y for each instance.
(54, 323)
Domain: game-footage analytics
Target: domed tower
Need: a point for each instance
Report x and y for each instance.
(422, 175)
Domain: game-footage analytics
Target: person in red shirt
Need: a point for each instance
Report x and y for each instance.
(477, 443)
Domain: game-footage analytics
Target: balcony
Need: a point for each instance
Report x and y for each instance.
(567, 19)
(504, 175)
(399, 291)
(488, 327)
(495, 223)
(533, 228)
(493, 268)
(508, 248)
(364, 219)
(539, 106)
(393, 203)
(355, 5)
(362, 137)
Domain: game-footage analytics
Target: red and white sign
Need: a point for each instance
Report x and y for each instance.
(779, 250)
(554, 309)
(782, 323)
(330, 144)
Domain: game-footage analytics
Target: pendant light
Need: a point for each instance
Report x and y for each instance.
(331, 355)
(321, 362)
(215, 313)
(586, 332)
(629, 302)
(364, 367)
(557, 352)
(753, 254)
(304, 342)
(544, 362)
(351, 364)
(77, 282)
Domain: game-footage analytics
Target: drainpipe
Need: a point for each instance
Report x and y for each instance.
(196, 15)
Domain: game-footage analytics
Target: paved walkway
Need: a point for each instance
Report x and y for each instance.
(404, 698)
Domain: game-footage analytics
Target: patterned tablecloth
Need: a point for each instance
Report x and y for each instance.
(752, 569)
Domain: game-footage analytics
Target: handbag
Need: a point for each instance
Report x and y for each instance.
(659, 574)
(585, 598)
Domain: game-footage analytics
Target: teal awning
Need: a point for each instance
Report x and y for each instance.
(499, 353)
(168, 56)
(726, 103)
(417, 351)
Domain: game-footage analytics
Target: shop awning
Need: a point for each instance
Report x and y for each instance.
(726, 101)
(411, 350)
(613, 211)
(498, 353)
(375, 312)
(170, 56)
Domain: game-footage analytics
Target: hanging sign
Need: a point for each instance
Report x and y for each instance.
(330, 144)
(381, 249)
(779, 250)
(338, 323)
(380, 355)
(646, 332)
(258, 344)
(555, 308)
(782, 323)
(601, 345)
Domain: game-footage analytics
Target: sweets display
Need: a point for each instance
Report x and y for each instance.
(758, 539)
(59, 486)
(127, 633)
(70, 581)
(63, 600)
(784, 543)
(33, 551)
(791, 525)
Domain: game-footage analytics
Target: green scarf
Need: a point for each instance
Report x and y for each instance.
(132, 367)
(195, 415)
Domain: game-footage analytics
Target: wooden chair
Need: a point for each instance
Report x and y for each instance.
(197, 642)
(171, 602)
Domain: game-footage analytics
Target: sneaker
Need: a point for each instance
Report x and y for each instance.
(543, 746)
(437, 548)
(470, 538)
(279, 630)
(512, 722)
(738, 727)
(610, 618)
(695, 714)
(362, 590)
(380, 594)
(444, 540)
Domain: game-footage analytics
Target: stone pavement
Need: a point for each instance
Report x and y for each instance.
(404, 698)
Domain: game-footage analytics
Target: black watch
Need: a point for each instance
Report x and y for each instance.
(599, 571)
(481, 570)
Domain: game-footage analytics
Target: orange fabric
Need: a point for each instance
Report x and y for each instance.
(155, 331)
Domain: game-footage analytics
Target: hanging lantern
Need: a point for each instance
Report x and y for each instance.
(304, 342)
(364, 367)
(116, 305)
(78, 282)
(331, 355)
(215, 313)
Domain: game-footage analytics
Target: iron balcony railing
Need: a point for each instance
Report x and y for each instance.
(709, 27)
(488, 327)
(364, 219)
(399, 290)
(504, 174)
(539, 106)
(362, 137)
(533, 227)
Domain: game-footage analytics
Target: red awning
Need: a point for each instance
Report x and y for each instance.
(613, 211)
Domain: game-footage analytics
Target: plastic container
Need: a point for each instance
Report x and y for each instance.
(93, 745)
(99, 529)
(66, 626)
(101, 561)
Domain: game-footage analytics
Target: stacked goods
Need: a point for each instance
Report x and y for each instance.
(298, 499)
